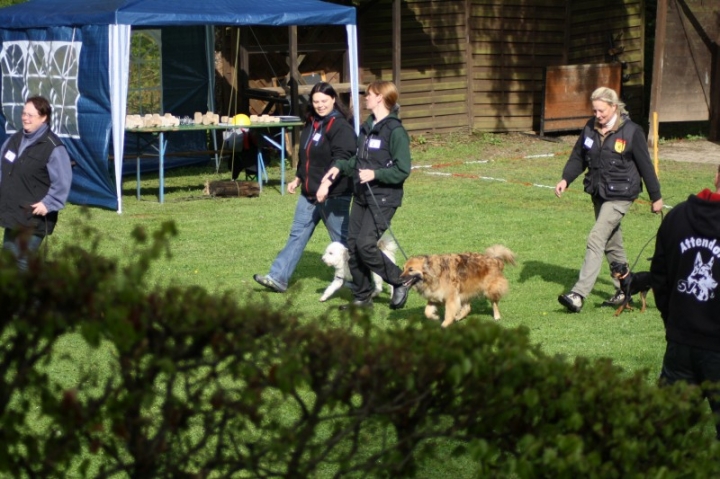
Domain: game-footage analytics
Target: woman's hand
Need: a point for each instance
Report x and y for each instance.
(366, 176)
(657, 206)
(560, 188)
(39, 209)
(292, 186)
(326, 183)
(322, 192)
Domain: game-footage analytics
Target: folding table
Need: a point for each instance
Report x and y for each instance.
(162, 145)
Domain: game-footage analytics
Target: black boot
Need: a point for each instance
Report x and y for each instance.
(399, 296)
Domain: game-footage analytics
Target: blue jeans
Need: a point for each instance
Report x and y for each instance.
(21, 246)
(333, 212)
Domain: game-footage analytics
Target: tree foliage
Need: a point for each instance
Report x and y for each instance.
(7, 3)
(194, 385)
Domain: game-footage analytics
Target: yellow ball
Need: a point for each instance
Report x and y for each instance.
(241, 119)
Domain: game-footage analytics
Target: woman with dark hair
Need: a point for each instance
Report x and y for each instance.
(35, 178)
(378, 171)
(326, 138)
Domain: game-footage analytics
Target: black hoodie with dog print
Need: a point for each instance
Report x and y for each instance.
(685, 271)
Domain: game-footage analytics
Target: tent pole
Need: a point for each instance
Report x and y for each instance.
(119, 46)
(210, 56)
(354, 75)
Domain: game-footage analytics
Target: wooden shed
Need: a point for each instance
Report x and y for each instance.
(465, 64)
(686, 79)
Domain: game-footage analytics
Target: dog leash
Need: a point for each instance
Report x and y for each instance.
(387, 224)
(662, 217)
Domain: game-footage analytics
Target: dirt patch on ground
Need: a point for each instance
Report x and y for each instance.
(695, 151)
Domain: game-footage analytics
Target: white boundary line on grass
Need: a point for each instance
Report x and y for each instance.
(490, 178)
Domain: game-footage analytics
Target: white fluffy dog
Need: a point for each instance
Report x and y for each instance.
(336, 255)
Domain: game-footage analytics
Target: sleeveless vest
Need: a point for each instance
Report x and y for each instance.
(25, 181)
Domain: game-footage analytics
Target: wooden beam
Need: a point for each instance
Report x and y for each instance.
(396, 37)
(714, 134)
(302, 48)
(243, 78)
(643, 59)
(568, 30)
(692, 18)
(294, 97)
(657, 71)
(470, 98)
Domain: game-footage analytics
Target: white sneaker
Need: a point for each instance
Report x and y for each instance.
(617, 299)
(572, 301)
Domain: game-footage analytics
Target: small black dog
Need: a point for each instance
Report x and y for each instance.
(630, 283)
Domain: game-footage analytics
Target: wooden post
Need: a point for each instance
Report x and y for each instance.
(714, 134)
(657, 71)
(243, 106)
(470, 89)
(294, 97)
(396, 37)
(654, 131)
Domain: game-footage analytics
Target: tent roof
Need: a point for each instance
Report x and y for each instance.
(48, 13)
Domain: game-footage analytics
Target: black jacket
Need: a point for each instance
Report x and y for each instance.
(685, 271)
(323, 141)
(614, 166)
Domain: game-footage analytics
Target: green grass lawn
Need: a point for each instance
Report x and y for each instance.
(466, 194)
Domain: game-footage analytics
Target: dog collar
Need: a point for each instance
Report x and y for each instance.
(624, 276)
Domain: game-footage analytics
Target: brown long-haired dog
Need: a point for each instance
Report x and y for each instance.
(455, 279)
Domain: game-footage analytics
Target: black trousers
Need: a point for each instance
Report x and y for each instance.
(367, 224)
(694, 366)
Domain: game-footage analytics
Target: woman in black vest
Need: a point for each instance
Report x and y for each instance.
(613, 153)
(378, 170)
(35, 178)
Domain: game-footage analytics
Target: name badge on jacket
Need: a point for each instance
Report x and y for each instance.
(374, 143)
(10, 156)
(588, 142)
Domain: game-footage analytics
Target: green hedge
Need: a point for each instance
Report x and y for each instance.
(190, 384)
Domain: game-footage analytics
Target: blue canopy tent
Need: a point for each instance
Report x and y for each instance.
(77, 54)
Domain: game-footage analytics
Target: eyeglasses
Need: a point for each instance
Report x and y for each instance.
(28, 115)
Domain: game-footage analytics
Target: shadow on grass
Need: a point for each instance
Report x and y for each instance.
(552, 273)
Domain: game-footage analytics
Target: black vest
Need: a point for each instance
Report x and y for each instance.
(374, 154)
(25, 181)
(612, 173)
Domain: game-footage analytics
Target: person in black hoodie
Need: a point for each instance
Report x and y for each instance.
(613, 152)
(684, 271)
(35, 180)
(326, 138)
(379, 169)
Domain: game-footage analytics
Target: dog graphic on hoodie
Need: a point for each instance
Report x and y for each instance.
(700, 282)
